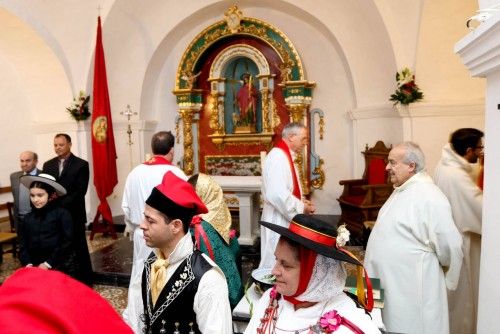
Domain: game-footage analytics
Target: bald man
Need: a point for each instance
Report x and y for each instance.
(27, 161)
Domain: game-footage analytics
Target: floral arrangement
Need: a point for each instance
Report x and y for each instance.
(79, 108)
(407, 91)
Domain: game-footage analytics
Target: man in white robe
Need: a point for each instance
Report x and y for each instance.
(281, 189)
(455, 176)
(414, 248)
(141, 180)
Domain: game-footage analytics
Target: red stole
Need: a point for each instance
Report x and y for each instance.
(157, 160)
(296, 189)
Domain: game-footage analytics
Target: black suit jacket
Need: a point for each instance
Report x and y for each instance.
(14, 185)
(75, 179)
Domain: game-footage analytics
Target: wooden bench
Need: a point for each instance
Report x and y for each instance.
(8, 237)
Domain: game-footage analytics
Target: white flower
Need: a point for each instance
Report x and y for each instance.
(342, 235)
(405, 76)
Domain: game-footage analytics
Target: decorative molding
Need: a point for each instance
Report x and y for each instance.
(264, 31)
(72, 126)
(420, 109)
(55, 127)
(480, 49)
(235, 51)
(440, 109)
(375, 111)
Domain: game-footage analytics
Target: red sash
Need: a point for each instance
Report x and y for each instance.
(157, 160)
(284, 147)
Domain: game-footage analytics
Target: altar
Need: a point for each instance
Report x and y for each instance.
(247, 192)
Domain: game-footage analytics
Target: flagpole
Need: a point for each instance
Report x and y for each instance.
(103, 142)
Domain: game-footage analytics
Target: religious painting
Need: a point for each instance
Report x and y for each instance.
(242, 106)
(236, 92)
(243, 165)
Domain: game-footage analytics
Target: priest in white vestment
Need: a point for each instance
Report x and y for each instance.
(455, 176)
(414, 248)
(281, 188)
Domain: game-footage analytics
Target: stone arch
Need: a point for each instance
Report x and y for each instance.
(256, 28)
(239, 50)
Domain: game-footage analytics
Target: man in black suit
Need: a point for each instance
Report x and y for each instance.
(22, 203)
(72, 173)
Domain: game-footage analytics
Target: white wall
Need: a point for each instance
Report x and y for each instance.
(480, 53)
(351, 49)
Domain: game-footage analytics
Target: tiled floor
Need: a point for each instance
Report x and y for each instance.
(117, 296)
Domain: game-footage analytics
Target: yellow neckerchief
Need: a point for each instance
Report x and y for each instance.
(158, 276)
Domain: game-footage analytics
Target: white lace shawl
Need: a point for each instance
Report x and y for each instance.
(327, 280)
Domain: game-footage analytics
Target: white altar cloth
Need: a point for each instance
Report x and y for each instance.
(247, 190)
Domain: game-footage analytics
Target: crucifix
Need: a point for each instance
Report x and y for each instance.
(129, 113)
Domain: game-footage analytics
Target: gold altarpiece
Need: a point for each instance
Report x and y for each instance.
(238, 83)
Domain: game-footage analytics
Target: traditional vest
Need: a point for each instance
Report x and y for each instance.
(175, 302)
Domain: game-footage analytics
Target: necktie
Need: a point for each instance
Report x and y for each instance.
(61, 166)
(158, 278)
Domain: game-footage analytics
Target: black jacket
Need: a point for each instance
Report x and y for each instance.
(75, 179)
(46, 235)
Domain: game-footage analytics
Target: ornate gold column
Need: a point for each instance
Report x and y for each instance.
(298, 97)
(187, 121)
(214, 105)
(297, 112)
(189, 102)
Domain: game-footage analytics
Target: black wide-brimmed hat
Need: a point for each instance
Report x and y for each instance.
(313, 234)
(27, 180)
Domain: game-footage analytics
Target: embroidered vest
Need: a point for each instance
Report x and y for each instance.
(175, 302)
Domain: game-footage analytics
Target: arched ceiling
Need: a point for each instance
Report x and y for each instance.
(38, 72)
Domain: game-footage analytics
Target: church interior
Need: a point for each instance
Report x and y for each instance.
(180, 67)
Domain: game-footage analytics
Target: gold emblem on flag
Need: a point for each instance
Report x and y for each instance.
(100, 129)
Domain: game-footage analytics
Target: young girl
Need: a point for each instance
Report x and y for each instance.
(46, 235)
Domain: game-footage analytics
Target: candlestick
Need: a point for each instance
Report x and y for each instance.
(129, 113)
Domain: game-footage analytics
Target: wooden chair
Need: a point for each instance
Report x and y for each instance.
(9, 237)
(362, 198)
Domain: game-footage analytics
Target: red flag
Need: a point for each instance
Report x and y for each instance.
(103, 141)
